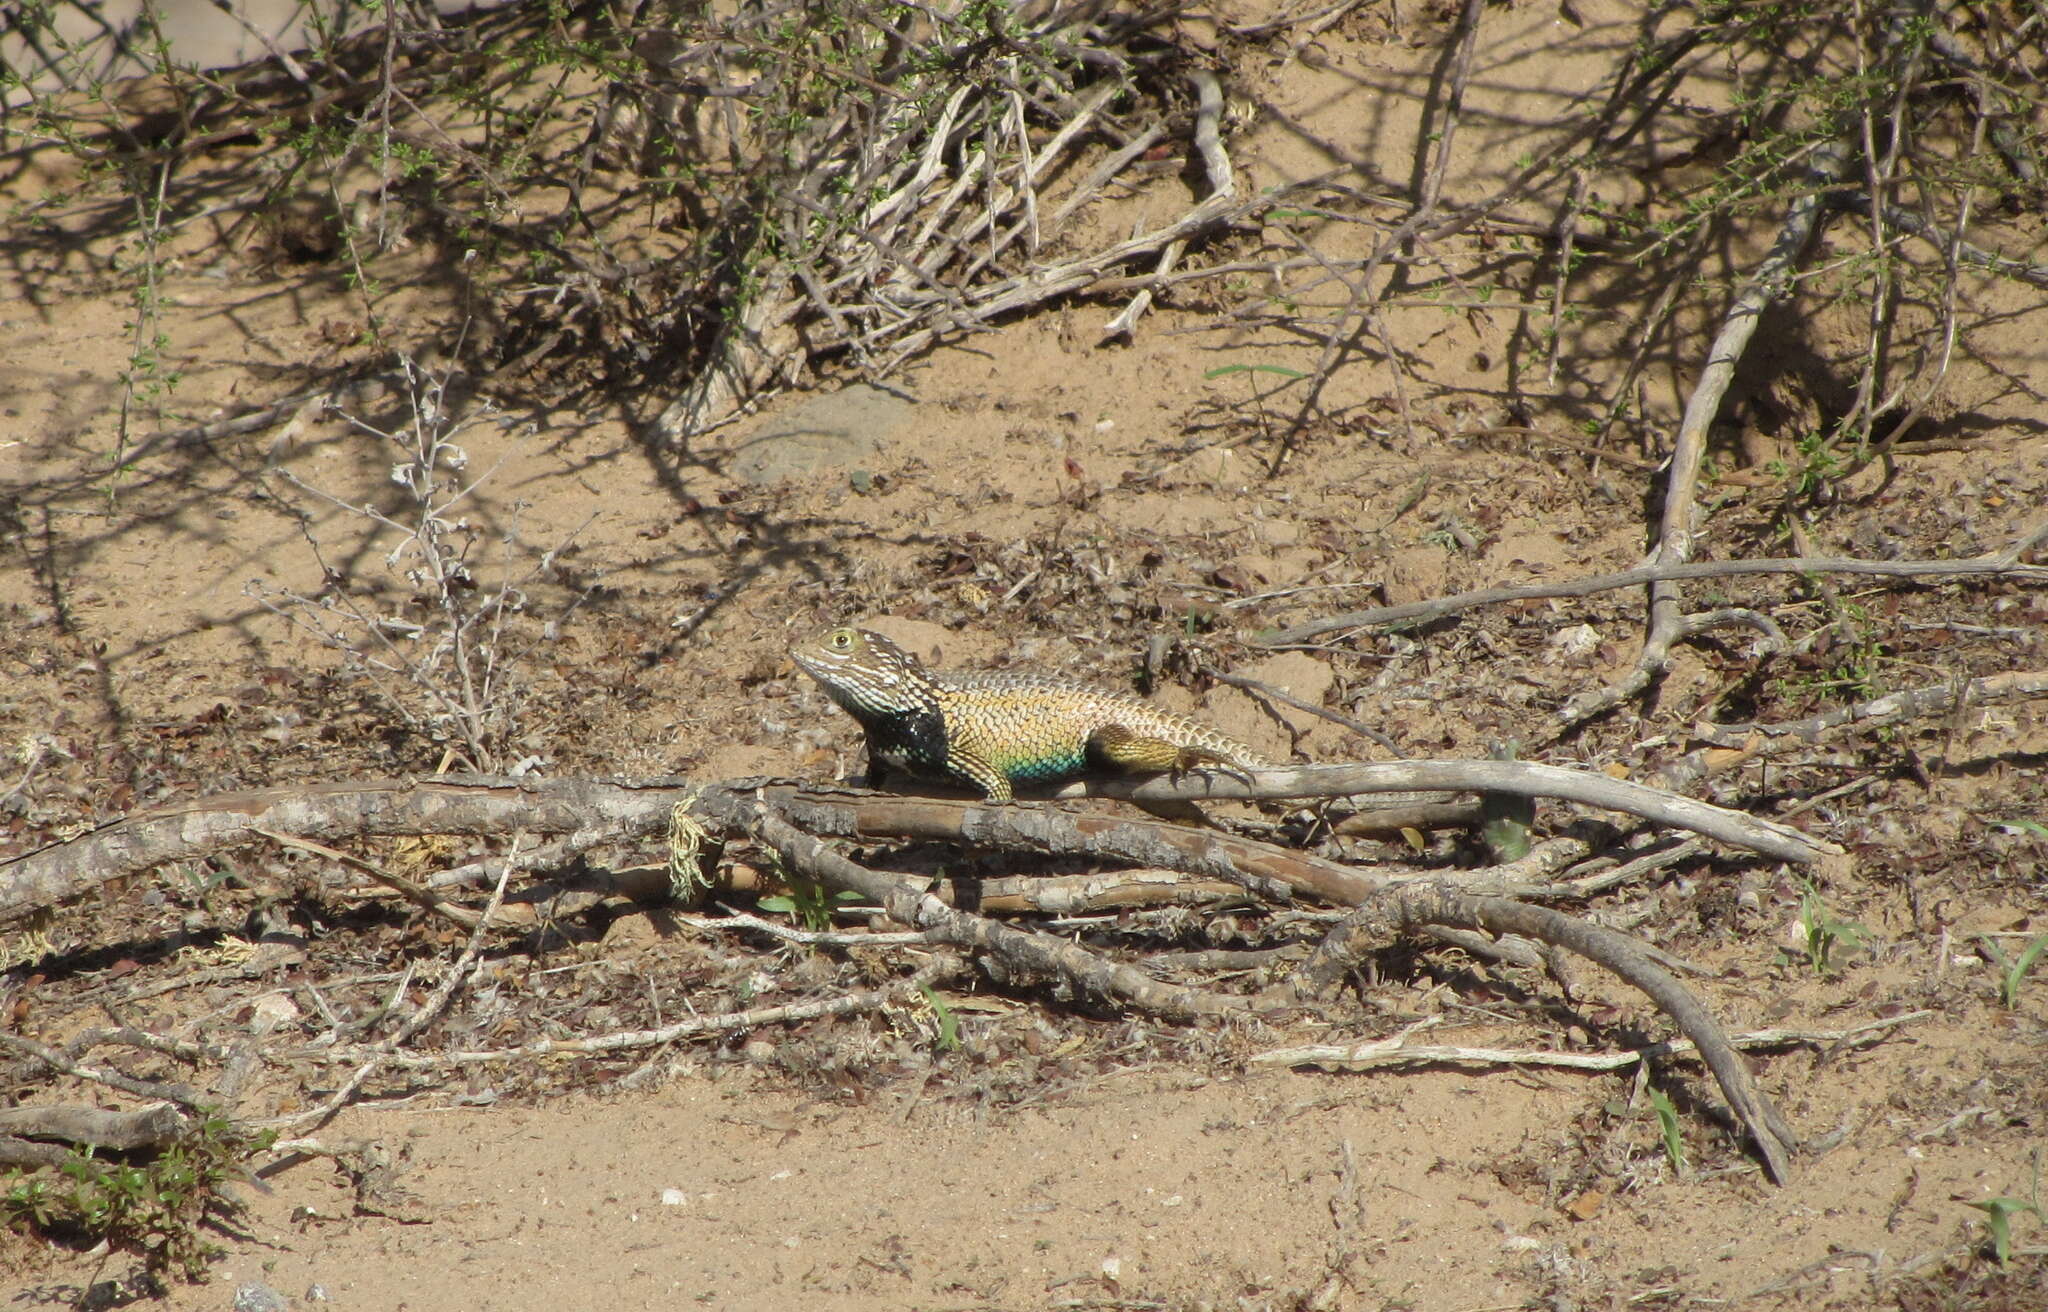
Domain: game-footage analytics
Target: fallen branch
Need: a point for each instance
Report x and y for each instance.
(157, 1090)
(96, 1127)
(1219, 860)
(1419, 908)
(866, 938)
(1260, 688)
(382, 808)
(596, 811)
(430, 1011)
(29, 1155)
(1675, 534)
(1386, 910)
(1089, 894)
(1037, 954)
(1421, 612)
(1727, 746)
(1518, 778)
(1397, 1050)
(1222, 184)
(415, 893)
(1880, 711)
(625, 811)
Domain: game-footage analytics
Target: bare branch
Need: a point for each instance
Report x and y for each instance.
(1397, 1050)
(1675, 533)
(1519, 778)
(96, 1126)
(2006, 562)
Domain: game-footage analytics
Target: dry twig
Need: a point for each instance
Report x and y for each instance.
(1396, 1050)
(719, 1023)
(1669, 625)
(182, 1095)
(436, 1003)
(2007, 563)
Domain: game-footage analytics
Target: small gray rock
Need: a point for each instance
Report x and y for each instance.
(258, 1297)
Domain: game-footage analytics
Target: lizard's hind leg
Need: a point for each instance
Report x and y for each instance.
(1136, 753)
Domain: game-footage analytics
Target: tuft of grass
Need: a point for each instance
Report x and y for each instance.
(155, 1209)
(809, 904)
(1666, 1113)
(1999, 1212)
(948, 1037)
(2012, 972)
(1279, 370)
(1827, 936)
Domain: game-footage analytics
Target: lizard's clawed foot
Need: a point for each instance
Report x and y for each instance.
(1197, 758)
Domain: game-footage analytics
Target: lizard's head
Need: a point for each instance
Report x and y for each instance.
(864, 672)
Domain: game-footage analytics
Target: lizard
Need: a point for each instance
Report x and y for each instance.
(993, 730)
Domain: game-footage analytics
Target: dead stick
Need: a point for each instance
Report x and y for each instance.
(1675, 531)
(178, 1093)
(2005, 562)
(1380, 1052)
(97, 1126)
(419, 895)
(1417, 908)
(1730, 745)
(594, 811)
(1518, 778)
(1385, 910)
(1042, 954)
(434, 1006)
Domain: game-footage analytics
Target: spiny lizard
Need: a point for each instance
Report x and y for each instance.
(990, 731)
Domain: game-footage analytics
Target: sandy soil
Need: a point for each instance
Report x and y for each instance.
(1038, 501)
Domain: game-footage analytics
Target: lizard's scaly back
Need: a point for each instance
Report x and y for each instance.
(989, 730)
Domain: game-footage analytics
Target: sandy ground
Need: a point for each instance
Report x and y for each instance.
(1036, 500)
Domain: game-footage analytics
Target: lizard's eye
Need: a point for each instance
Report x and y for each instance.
(842, 640)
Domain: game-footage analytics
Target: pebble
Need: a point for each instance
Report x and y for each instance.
(258, 1297)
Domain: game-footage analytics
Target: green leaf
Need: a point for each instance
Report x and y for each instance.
(1998, 1214)
(2012, 973)
(1667, 1122)
(949, 1024)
